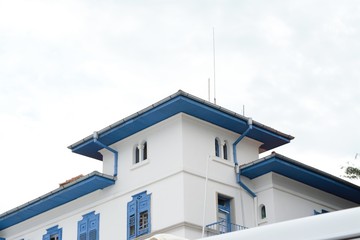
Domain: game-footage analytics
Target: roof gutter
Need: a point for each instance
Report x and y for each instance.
(237, 168)
(116, 154)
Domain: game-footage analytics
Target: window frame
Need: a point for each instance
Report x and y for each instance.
(140, 153)
(136, 154)
(217, 147)
(144, 151)
(263, 212)
(137, 209)
(225, 151)
(50, 232)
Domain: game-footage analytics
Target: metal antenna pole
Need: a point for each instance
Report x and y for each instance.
(214, 64)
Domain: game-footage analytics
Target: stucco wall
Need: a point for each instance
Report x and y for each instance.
(286, 199)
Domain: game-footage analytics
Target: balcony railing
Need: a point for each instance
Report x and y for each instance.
(221, 227)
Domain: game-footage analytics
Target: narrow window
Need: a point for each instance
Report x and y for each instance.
(88, 227)
(137, 155)
(263, 211)
(225, 151)
(53, 233)
(139, 215)
(217, 147)
(144, 151)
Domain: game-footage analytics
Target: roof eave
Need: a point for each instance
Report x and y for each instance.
(197, 103)
(302, 173)
(62, 195)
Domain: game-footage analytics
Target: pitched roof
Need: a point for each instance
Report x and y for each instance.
(180, 102)
(302, 173)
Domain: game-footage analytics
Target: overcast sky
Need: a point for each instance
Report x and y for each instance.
(68, 68)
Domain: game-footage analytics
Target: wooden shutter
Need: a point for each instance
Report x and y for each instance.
(46, 237)
(131, 219)
(93, 225)
(82, 229)
(143, 212)
(88, 227)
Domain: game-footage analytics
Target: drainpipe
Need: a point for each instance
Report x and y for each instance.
(238, 171)
(237, 168)
(96, 137)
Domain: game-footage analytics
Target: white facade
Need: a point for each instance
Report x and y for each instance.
(185, 181)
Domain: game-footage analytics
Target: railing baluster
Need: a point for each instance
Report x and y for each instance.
(221, 227)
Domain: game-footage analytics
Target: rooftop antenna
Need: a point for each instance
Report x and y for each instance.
(214, 64)
(209, 89)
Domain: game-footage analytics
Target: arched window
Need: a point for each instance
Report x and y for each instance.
(137, 154)
(144, 157)
(263, 211)
(217, 147)
(225, 151)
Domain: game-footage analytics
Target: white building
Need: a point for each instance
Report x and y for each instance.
(182, 166)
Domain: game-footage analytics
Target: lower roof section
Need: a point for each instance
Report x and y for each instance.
(71, 191)
(304, 174)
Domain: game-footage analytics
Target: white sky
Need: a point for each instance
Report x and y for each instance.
(68, 68)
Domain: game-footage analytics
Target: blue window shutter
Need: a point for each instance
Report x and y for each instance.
(52, 231)
(46, 237)
(143, 214)
(2, 238)
(93, 227)
(88, 227)
(131, 212)
(138, 215)
(82, 229)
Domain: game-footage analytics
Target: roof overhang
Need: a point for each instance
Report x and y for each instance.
(58, 197)
(304, 174)
(180, 102)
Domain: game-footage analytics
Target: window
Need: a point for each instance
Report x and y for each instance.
(217, 147)
(225, 151)
(322, 211)
(262, 211)
(137, 155)
(53, 233)
(138, 215)
(144, 151)
(140, 152)
(88, 227)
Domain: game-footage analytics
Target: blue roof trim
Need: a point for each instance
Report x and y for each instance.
(304, 174)
(180, 102)
(58, 197)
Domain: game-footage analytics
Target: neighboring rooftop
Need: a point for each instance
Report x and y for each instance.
(180, 102)
(303, 173)
(67, 192)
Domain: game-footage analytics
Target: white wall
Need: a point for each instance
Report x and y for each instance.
(286, 199)
(200, 163)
